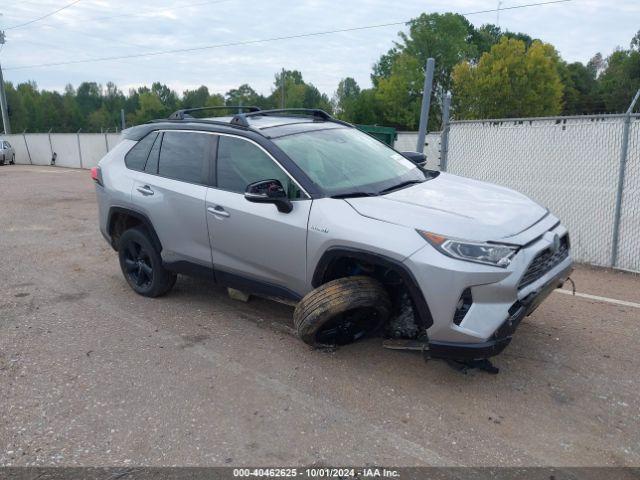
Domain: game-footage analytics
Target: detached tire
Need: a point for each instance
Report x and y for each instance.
(341, 311)
(141, 264)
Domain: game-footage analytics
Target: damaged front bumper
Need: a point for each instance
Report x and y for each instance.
(503, 335)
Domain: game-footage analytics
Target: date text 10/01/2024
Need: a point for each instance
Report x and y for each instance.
(369, 472)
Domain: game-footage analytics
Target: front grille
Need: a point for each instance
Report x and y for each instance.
(545, 261)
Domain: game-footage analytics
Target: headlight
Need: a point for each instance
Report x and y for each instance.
(486, 253)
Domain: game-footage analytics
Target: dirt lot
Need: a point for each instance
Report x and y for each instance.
(92, 374)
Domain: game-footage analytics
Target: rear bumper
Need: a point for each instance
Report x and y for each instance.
(503, 335)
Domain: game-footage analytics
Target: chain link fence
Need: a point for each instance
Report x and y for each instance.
(570, 165)
(629, 240)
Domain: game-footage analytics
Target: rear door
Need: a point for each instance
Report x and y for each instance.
(250, 241)
(171, 191)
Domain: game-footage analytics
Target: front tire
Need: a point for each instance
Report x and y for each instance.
(342, 311)
(141, 264)
(13, 160)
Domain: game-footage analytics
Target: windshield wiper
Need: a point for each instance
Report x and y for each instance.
(399, 186)
(355, 195)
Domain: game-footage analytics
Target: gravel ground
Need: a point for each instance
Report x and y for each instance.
(92, 374)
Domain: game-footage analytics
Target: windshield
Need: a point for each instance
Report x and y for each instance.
(345, 160)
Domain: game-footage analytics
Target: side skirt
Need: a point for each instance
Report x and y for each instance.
(232, 280)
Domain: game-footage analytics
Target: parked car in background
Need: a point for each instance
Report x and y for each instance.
(300, 206)
(7, 153)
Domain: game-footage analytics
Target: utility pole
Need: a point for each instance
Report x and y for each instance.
(426, 103)
(282, 103)
(3, 97)
(498, 13)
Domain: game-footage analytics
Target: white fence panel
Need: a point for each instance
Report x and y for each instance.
(407, 142)
(39, 148)
(94, 147)
(65, 145)
(113, 139)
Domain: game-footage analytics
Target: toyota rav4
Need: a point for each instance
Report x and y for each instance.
(298, 206)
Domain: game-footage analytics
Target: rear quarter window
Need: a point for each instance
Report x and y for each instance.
(137, 156)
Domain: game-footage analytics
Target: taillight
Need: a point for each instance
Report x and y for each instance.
(96, 175)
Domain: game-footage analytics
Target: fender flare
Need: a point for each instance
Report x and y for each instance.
(144, 220)
(334, 253)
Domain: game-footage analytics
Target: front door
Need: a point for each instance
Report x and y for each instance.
(250, 241)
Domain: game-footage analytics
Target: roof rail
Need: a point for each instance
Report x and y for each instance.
(206, 121)
(184, 113)
(316, 113)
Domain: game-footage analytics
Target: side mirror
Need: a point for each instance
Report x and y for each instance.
(269, 191)
(420, 159)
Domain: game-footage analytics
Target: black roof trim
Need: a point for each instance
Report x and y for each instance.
(184, 113)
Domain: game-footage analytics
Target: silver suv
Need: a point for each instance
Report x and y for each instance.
(298, 206)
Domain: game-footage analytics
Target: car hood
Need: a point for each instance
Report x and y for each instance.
(455, 206)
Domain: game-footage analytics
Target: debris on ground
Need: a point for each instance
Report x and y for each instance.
(238, 295)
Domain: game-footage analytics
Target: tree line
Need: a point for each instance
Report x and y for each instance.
(491, 73)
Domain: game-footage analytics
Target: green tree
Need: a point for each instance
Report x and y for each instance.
(246, 96)
(367, 109)
(168, 98)
(510, 81)
(400, 94)
(345, 98)
(297, 93)
(581, 94)
(150, 107)
(17, 111)
(88, 98)
(620, 80)
(448, 38)
(31, 102)
(195, 98)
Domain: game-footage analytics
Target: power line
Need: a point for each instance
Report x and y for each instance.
(264, 40)
(44, 16)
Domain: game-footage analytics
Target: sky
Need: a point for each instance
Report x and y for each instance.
(100, 28)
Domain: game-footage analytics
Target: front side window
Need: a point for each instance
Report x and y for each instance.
(185, 156)
(343, 160)
(136, 158)
(240, 163)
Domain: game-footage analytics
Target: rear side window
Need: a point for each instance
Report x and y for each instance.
(137, 156)
(185, 156)
(241, 162)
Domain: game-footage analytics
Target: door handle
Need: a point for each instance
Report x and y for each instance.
(219, 211)
(146, 190)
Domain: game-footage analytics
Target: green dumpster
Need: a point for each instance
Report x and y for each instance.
(387, 135)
